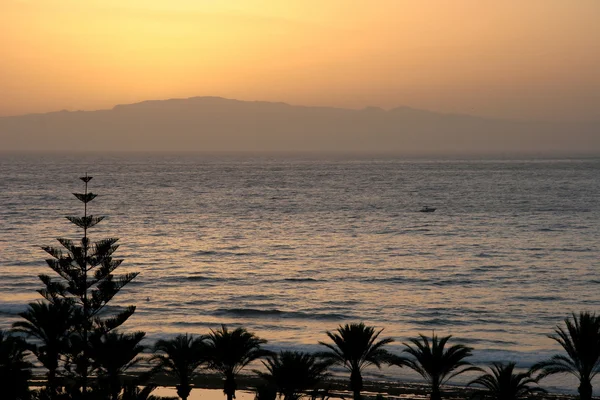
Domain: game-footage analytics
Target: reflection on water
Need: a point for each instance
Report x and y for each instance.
(292, 247)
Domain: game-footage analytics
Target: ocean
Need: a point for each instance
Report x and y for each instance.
(292, 246)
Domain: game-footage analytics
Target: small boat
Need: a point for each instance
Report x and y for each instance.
(427, 209)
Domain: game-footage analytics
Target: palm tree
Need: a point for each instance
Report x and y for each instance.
(581, 341)
(15, 371)
(435, 363)
(503, 384)
(180, 358)
(51, 324)
(294, 372)
(114, 353)
(230, 351)
(355, 347)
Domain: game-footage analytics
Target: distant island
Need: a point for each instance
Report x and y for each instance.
(214, 124)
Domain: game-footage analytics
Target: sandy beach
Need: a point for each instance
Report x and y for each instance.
(208, 387)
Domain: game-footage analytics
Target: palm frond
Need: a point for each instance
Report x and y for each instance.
(502, 383)
(435, 361)
(355, 347)
(580, 339)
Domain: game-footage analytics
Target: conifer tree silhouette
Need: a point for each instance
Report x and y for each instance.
(86, 280)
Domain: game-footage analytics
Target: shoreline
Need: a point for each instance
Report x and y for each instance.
(338, 388)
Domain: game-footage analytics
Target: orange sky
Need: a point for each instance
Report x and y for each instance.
(526, 59)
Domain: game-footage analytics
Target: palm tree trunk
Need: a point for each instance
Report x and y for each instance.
(183, 390)
(230, 387)
(115, 386)
(356, 383)
(51, 384)
(435, 388)
(585, 389)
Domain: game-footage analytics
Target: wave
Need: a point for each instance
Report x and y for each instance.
(11, 309)
(193, 324)
(6, 283)
(292, 280)
(490, 267)
(397, 279)
(539, 298)
(576, 250)
(344, 302)
(200, 278)
(282, 247)
(33, 263)
(484, 255)
(301, 280)
(442, 234)
(205, 253)
(225, 253)
(250, 297)
(443, 322)
(275, 313)
(458, 279)
(418, 230)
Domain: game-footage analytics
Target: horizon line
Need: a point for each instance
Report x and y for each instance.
(484, 156)
(365, 108)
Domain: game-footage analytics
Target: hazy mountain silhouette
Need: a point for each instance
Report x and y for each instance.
(218, 124)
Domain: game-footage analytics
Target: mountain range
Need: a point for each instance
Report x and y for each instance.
(214, 124)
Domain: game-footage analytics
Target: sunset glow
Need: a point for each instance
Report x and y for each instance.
(534, 59)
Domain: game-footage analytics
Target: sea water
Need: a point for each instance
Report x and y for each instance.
(290, 247)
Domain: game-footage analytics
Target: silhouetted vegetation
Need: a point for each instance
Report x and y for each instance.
(181, 358)
(265, 391)
(15, 370)
(51, 324)
(581, 342)
(132, 392)
(293, 373)
(230, 351)
(70, 326)
(502, 383)
(435, 362)
(354, 347)
(113, 354)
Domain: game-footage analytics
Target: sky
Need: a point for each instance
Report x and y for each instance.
(534, 59)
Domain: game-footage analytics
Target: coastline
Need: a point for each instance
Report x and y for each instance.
(336, 388)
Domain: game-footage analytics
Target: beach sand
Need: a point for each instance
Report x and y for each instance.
(208, 387)
(203, 394)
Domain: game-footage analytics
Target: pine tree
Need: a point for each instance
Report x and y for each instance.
(86, 280)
